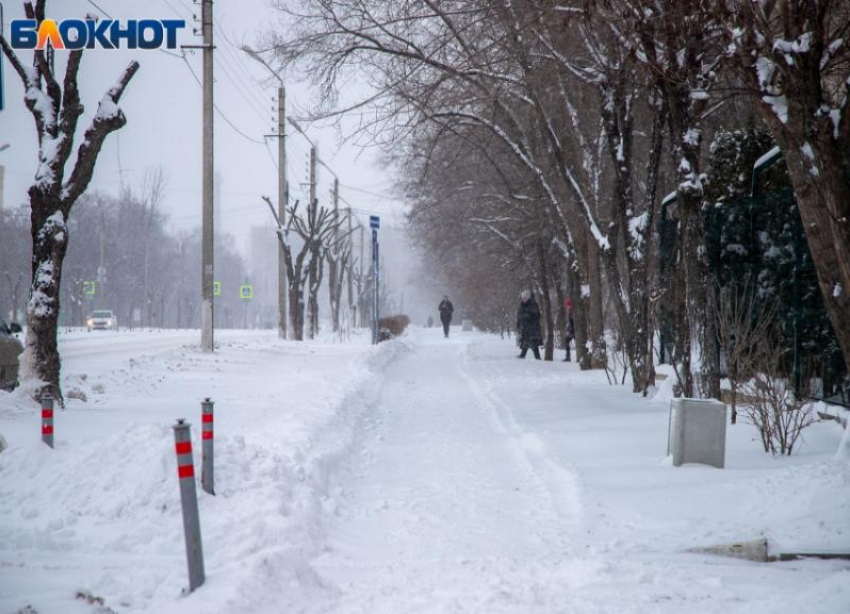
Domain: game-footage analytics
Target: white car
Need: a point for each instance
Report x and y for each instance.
(102, 319)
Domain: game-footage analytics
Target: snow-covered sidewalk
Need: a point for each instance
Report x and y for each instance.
(425, 475)
(493, 485)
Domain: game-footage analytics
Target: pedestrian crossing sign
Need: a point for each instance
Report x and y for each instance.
(246, 293)
(89, 288)
(216, 288)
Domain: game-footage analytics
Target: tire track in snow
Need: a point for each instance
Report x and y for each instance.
(562, 484)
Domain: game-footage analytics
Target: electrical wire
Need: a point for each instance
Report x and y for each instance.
(368, 192)
(271, 155)
(108, 16)
(197, 80)
(175, 11)
(219, 111)
(190, 10)
(236, 60)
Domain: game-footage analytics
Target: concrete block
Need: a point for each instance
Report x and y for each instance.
(466, 325)
(697, 432)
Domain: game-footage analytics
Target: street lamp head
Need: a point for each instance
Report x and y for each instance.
(295, 125)
(4, 146)
(256, 56)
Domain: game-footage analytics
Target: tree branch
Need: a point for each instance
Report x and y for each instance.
(108, 119)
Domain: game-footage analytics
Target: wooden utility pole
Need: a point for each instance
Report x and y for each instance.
(282, 195)
(208, 233)
(282, 198)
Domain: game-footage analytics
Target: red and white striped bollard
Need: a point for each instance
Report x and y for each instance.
(207, 445)
(189, 502)
(47, 419)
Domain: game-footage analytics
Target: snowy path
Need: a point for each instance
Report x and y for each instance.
(467, 498)
(423, 476)
(449, 513)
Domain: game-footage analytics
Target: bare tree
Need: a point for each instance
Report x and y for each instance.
(673, 40)
(744, 321)
(56, 109)
(338, 253)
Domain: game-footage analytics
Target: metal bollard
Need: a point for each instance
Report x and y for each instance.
(47, 419)
(189, 501)
(207, 468)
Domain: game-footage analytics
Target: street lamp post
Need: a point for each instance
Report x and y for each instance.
(282, 192)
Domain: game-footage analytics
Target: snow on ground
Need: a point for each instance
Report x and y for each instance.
(424, 475)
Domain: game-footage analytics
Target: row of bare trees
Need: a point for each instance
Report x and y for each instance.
(67, 157)
(538, 138)
(124, 257)
(320, 240)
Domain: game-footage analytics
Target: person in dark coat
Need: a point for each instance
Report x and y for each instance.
(528, 325)
(446, 310)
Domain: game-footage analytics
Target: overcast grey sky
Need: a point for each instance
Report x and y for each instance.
(163, 108)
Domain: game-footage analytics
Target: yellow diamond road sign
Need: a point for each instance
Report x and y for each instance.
(246, 292)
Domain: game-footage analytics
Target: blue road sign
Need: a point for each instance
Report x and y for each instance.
(374, 221)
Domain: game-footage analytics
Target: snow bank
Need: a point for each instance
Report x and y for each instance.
(101, 512)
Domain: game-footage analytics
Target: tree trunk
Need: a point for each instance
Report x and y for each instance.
(580, 308)
(546, 300)
(40, 361)
(561, 317)
(599, 357)
(823, 197)
(334, 291)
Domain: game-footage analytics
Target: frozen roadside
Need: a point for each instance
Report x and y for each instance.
(101, 511)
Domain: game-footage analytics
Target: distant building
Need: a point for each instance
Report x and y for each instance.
(263, 272)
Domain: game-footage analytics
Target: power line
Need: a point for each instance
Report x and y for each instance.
(218, 110)
(197, 80)
(237, 63)
(368, 192)
(175, 11)
(190, 10)
(271, 155)
(239, 90)
(99, 9)
(108, 16)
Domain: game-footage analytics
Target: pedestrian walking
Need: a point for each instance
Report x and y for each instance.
(528, 325)
(446, 310)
